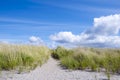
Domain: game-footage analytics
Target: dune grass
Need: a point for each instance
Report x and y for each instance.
(94, 59)
(22, 56)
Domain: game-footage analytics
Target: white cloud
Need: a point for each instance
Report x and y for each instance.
(106, 25)
(104, 33)
(67, 37)
(103, 41)
(34, 39)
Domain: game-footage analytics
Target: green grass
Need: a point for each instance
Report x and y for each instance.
(94, 59)
(21, 57)
(61, 52)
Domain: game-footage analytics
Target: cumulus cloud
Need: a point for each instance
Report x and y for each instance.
(64, 37)
(104, 33)
(106, 25)
(68, 37)
(34, 39)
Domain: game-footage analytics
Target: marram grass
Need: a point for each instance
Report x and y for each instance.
(94, 59)
(22, 56)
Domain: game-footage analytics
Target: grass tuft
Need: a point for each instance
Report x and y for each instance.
(89, 58)
(22, 56)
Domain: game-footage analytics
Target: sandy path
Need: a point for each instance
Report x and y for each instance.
(52, 71)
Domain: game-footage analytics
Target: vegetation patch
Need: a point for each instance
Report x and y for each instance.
(22, 56)
(94, 59)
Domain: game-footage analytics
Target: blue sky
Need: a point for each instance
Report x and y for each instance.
(21, 19)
